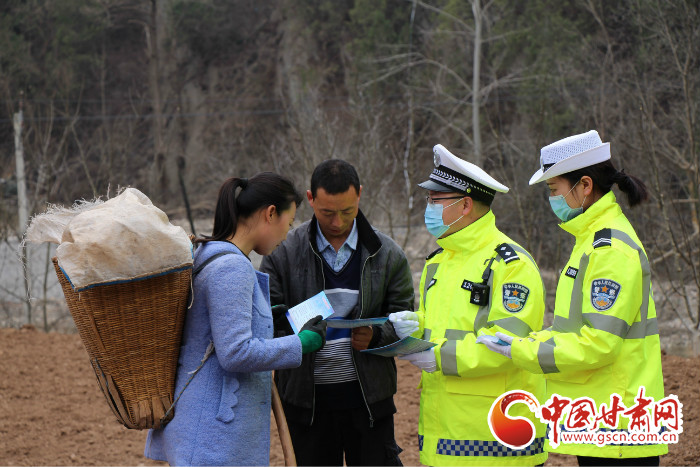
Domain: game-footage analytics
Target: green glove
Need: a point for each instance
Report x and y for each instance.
(310, 341)
(312, 335)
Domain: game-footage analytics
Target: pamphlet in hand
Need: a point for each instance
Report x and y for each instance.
(314, 306)
(356, 323)
(490, 338)
(405, 346)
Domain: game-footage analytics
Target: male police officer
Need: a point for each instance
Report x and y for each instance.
(478, 282)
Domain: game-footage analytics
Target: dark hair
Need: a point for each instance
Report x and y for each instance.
(263, 190)
(334, 176)
(604, 175)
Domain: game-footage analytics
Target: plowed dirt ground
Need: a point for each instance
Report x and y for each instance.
(52, 411)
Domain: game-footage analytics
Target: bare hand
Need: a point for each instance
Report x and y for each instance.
(361, 337)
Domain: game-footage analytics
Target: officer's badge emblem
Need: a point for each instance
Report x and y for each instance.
(514, 296)
(604, 292)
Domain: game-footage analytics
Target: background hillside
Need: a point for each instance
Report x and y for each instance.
(172, 96)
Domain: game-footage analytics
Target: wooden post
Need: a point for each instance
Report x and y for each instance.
(282, 428)
(22, 205)
(476, 71)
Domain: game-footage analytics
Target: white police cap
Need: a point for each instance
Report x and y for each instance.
(569, 154)
(452, 174)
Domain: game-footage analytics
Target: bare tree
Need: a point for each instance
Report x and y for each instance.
(668, 131)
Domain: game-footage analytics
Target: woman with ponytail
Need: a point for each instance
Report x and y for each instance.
(228, 350)
(604, 339)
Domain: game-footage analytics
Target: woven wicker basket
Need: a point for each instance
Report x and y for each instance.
(132, 333)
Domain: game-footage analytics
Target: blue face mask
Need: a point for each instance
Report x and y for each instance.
(433, 218)
(561, 207)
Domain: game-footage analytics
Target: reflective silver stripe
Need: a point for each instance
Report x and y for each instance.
(645, 327)
(448, 358)
(482, 316)
(545, 356)
(619, 327)
(456, 334)
(448, 351)
(522, 250)
(574, 322)
(607, 323)
(430, 271)
(639, 330)
(426, 334)
(514, 325)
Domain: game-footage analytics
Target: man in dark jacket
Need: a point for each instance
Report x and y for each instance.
(340, 401)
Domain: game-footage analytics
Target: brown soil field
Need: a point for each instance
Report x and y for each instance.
(52, 411)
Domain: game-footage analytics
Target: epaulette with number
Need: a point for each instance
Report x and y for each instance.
(507, 252)
(433, 254)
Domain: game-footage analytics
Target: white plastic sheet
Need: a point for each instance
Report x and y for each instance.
(121, 239)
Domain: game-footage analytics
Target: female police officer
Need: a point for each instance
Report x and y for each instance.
(604, 339)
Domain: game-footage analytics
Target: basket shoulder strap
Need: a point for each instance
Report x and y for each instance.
(209, 260)
(210, 347)
(207, 353)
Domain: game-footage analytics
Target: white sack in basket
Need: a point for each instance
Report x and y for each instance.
(124, 238)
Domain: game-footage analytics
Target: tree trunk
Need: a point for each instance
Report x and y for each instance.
(159, 42)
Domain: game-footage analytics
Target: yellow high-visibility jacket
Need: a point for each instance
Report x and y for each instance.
(604, 338)
(455, 400)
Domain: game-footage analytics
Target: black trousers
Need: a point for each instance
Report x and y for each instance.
(338, 433)
(628, 461)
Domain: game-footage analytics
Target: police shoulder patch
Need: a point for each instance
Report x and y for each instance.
(514, 296)
(604, 293)
(507, 253)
